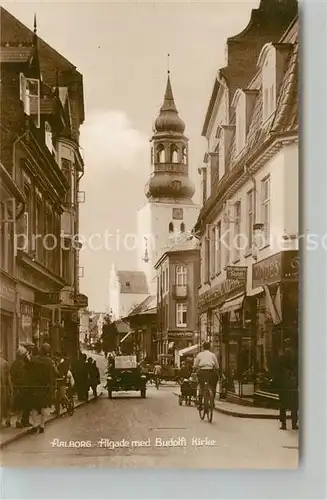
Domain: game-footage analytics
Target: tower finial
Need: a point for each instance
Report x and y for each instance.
(35, 27)
(168, 64)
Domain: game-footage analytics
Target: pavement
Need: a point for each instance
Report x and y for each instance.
(11, 434)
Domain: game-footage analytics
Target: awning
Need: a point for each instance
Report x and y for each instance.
(171, 345)
(192, 349)
(126, 336)
(255, 291)
(232, 304)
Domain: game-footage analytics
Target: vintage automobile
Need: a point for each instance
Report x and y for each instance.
(124, 374)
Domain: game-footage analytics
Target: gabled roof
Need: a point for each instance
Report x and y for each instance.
(190, 243)
(133, 282)
(261, 134)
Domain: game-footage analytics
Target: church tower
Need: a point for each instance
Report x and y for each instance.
(169, 213)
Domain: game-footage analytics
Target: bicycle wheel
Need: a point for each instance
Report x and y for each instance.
(210, 406)
(70, 406)
(202, 406)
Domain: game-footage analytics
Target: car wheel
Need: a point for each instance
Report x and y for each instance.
(143, 393)
(110, 394)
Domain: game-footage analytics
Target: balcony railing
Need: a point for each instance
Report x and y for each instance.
(180, 291)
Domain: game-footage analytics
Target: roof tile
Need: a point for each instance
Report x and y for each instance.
(133, 282)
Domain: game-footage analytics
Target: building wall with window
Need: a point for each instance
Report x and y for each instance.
(44, 108)
(248, 226)
(161, 225)
(178, 278)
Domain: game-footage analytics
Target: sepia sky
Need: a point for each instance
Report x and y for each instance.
(121, 49)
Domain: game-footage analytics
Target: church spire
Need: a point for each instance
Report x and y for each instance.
(168, 119)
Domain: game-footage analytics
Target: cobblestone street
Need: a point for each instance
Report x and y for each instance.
(146, 425)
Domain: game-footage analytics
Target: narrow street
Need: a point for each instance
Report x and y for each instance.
(128, 431)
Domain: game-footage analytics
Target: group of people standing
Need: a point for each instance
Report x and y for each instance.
(28, 385)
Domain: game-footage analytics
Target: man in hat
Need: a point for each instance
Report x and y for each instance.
(286, 381)
(5, 391)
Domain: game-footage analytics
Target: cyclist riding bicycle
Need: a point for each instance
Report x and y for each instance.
(207, 367)
(157, 373)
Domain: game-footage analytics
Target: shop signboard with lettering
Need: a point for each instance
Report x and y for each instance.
(276, 268)
(237, 273)
(47, 298)
(222, 292)
(291, 265)
(7, 296)
(267, 271)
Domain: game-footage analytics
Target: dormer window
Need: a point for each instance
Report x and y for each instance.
(30, 95)
(48, 137)
(240, 119)
(267, 62)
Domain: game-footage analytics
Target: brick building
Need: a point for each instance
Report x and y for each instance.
(42, 110)
(248, 225)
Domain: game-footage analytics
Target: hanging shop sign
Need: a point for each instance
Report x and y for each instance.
(237, 273)
(81, 300)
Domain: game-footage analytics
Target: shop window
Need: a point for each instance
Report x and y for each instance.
(265, 208)
(181, 315)
(181, 275)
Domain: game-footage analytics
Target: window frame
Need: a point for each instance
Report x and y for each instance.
(218, 248)
(181, 315)
(265, 208)
(181, 275)
(237, 229)
(249, 218)
(269, 83)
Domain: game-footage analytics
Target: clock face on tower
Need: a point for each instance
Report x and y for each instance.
(177, 213)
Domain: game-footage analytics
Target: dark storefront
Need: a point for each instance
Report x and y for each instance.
(276, 317)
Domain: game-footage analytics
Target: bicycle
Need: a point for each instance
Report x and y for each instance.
(206, 403)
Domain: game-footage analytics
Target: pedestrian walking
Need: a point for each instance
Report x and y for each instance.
(43, 380)
(286, 381)
(94, 376)
(20, 378)
(6, 392)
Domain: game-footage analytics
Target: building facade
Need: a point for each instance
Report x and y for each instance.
(248, 225)
(127, 289)
(42, 112)
(169, 213)
(178, 279)
(12, 208)
(143, 323)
